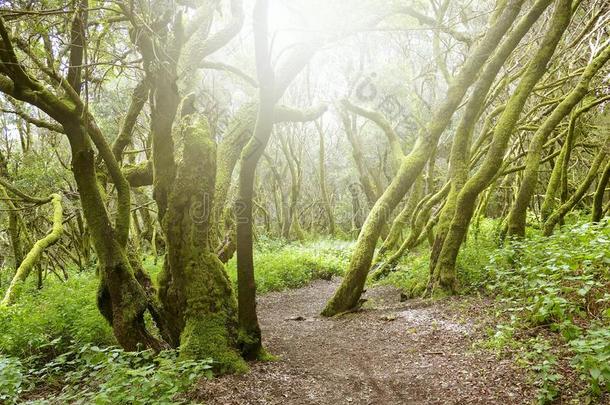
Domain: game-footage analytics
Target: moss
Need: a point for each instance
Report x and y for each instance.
(194, 289)
(445, 276)
(207, 337)
(264, 355)
(34, 254)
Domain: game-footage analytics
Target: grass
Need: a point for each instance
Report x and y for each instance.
(553, 300)
(553, 308)
(46, 322)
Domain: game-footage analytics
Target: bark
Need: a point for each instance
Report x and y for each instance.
(121, 299)
(14, 220)
(194, 289)
(598, 199)
(364, 172)
(566, 207)
(403, 219)
(294, 166)
(421, 224)
(461, 148)
(323, 187)
(229, 150)
(250, 332)
(554, 184)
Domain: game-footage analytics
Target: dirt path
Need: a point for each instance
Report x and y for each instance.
(389, 353)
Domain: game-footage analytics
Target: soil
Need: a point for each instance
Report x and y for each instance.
(390, 352)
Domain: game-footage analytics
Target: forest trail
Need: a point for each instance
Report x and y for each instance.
(391, 352)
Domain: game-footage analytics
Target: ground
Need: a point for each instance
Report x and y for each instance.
(391, 352)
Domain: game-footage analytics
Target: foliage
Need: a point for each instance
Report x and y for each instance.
(280, 265)
(412, 272)
(11, 379)
(45, 322)
(560, 285)
(89, 374)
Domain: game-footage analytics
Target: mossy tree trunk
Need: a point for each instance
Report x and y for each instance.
(554, 185)
(14, 220)
(348, 294)
(563, 209)
(597, 211)
(121, 299)
(403, 219)
(197, 300)
(517, 216)
(31, 259)
(461, 148)
(444, 275)
(194, 288)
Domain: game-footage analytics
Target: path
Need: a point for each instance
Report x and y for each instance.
(391, 353)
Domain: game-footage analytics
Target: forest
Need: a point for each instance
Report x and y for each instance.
(304, 202)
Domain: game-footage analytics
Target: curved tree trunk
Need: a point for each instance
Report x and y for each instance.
(444, 275)
(348, 294)
(403, 219)
(34, 254)
(598, 199)
(566, 207)
(554, 185)
(460, 151)
(517, 215)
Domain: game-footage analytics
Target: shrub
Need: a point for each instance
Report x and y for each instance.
(11, 380)
(45, 322)
(560, 284)
(89, 374)
(413, 271)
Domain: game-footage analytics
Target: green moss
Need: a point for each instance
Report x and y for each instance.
(34, 254)
(208, 337)
(264, 355)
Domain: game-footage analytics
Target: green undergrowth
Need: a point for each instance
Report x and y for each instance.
(412, 272)
(55, 344)
(92, 375)
(554, 294)
(46, 322)
(280, 265)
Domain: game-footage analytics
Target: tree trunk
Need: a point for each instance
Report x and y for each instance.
(348, 294)
(444, 275)
(598, 199)
(517, 216)
(250, 332)
(194, 288)
(461, 149)
(31, 259)
(558, 214)
(323, 187)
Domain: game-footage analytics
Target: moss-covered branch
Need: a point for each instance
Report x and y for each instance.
(34, 254)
